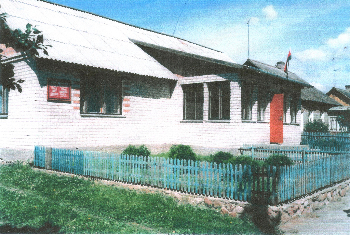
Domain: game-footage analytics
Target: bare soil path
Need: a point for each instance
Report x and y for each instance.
(332, 219)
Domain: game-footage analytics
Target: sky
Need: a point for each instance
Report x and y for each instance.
(316, 32)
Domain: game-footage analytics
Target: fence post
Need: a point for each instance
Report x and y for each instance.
(48, 158)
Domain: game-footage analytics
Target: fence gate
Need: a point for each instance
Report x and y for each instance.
(264, 188)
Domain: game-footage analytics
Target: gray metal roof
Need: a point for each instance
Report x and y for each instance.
(274, 71)
(340, 108)
(84, 38)
(345, 93)
(315, 95)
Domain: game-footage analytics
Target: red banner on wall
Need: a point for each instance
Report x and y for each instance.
(58, 93)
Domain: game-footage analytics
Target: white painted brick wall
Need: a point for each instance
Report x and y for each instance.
(147, 120)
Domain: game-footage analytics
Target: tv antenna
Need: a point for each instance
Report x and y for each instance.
(248, 35)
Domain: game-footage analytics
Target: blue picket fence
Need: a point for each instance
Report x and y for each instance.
(326, 141)
(304, 178)
(296, 153)
(244, 183)
(39, 156)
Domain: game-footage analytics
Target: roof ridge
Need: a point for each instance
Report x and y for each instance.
(272, 66)
(60, 5)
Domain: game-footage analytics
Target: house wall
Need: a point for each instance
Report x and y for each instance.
(152, 115)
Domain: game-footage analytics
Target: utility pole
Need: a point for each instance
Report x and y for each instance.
(248, 37)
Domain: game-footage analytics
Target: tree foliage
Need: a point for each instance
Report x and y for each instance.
(344, 121)
(28, 42)
(316, 126)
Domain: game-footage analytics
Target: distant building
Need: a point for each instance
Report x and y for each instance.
(343, 97)
(315, 106)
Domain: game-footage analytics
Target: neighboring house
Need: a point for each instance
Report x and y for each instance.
(106, 83)
(343, 97)
(315, 106)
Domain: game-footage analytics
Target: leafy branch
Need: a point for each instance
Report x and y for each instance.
(28, 42)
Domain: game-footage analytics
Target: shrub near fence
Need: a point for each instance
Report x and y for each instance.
(218, 180)
(244, 183)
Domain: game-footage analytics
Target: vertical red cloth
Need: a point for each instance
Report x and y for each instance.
(287, 62)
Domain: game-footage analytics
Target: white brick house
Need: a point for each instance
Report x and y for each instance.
(125, 85)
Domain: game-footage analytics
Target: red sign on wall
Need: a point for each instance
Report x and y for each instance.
(58, 93)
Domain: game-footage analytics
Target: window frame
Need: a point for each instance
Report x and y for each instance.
(247, 98)
(94, 95)
(190, 92)
(294, 103)
(219, 100)
(4, 95)
(263, 96)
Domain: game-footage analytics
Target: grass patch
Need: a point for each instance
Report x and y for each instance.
(32, 198)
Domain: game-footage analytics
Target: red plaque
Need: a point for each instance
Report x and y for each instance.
(58, 93)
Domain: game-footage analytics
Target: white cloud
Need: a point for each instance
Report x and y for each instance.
(319, 86)
(312, 54)
(270, 12)
(341, 41)
(254, 20)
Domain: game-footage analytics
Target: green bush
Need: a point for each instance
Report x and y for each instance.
(244, 160)
(221, 157)
(316, 126)
(137, 151)
(278, 160)
(329, 144)
(182, 152)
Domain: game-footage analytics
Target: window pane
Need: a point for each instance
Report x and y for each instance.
(214, 104)
(102, 97)
(219, 100)
(112, 100)
(193, 102)
(3, 100)
(247, 100)
(225, 101)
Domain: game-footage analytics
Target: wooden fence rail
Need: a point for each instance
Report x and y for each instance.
(238, 182)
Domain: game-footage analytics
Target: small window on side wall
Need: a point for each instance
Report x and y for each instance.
(247, 101)
(219, 101)
(263, 97)
(193, 102)
(294, 109)
(101, 97)
(3, 100)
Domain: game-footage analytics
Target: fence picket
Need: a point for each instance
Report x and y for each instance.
(313, 170)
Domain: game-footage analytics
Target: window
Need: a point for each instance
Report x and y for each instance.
(247, 101)
(101, 97)
(294, 109)
(286, 104)
(219, 101)
(193, 102)
(263, 96)
(3, 100)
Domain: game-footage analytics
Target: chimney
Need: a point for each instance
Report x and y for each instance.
(280, 65)
(347, 87)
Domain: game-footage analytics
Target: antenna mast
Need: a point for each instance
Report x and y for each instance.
(248, 36)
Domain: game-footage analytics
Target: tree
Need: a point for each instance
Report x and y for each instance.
(27, 42)
(344, 121)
